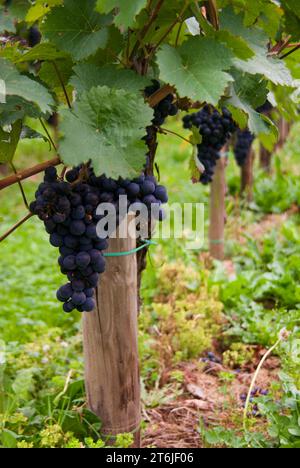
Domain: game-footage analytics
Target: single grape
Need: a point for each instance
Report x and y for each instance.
(77, 286)
(83, 260)
(65, 292)
(77, 228)
(148, 188)
(56, 240)
(79, 298)
(89, 305)
(70, 262)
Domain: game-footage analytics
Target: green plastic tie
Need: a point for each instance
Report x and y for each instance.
(217, 242)
(146, 243)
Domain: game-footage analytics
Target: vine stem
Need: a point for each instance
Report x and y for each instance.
(177, 20)
(165, 130)
(282, 336)
(62, 84)
(63, 172)
(292, 44)
(281, 45)
(290, 52)
(48, 134)
(16, 226)
(146, 28)
(178, 34)
(20, 186)
(26, 173)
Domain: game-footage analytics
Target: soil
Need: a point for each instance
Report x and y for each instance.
(207, 398)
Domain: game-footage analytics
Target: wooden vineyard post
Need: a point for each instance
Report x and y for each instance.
(217, 210)
(265, 159)
(284, 129)
(110, 346)
(247, 176)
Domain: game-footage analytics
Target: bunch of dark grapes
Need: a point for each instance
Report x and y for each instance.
(69, 216)
(242, 146)
(165, 108)
(34, 36)
(68, 210)
(215, 128)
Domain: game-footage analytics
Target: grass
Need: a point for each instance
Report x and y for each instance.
(192, 306)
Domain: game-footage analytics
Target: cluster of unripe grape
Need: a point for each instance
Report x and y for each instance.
(215, 128)
(68, 209)
(244, 140)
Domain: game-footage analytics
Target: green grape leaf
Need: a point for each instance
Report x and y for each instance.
(18, 9)
(273, 69)
(25, 87)
(11, 14)
(53, 76)
(292, 25)
(116, 43)
(252, 88)
(245, 115)
(238, 45)
(11, 52)
(196, 68)
(292, 5)
(40, 9)
(88, 76)
(9, 142)
(76, 28)
(106, 127)
(6, 21)
(270, 19)
(17, 108)
(196, 137)
(195, 166)
(251, 10)
(29, 133)
(127, 10)
(41, 52)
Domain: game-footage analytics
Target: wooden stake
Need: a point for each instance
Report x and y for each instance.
(284, 129)
(265, 159)
(247, 176)
(218, 211)
(110, 346)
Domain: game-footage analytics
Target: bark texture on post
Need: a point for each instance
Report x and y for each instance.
(247, 176)
(110, 346)
(217, 211)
